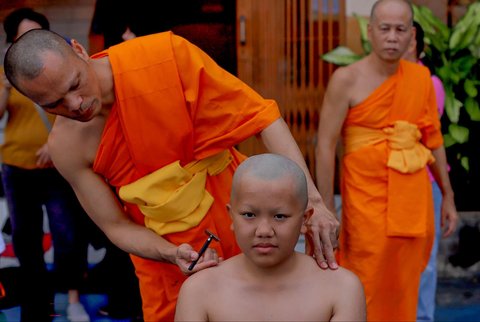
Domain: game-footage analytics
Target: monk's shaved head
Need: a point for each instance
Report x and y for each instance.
(271, 167)
(23, 59)
(380, 3)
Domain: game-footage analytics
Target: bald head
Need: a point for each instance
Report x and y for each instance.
(23, 59)
(381, 3)
(270, 167)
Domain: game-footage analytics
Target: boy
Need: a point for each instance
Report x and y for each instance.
(269, 281)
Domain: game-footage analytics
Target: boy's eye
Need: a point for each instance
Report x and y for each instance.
(280, 217)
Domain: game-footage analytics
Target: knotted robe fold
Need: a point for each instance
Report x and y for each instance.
(174, 198)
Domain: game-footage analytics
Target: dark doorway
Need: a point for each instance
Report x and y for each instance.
(209, 24)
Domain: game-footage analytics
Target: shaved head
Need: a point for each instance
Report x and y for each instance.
(380, 3)
(270, 167)
(23, 59)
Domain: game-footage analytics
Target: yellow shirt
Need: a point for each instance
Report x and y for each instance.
(25, 133)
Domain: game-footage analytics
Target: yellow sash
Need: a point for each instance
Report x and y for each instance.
(174, 198)
(407, 154)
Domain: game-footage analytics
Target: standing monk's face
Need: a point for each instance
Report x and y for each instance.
(67, 86)
(390, 30)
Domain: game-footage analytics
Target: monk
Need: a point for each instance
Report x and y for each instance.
(269, 281)
(145, 134)
(384, 110)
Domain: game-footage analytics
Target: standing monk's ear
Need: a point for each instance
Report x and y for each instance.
(369, 31)
(79, 49)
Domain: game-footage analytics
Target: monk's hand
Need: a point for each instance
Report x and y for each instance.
(43, 157)
(322, 235)
(449, 217)
(186, 255)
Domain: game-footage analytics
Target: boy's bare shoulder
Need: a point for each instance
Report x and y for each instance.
(340, 277)
(211, 276)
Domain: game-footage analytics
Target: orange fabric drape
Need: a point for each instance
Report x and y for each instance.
(387, 216)
(174, 103)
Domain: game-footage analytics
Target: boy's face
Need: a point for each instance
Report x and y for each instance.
(267, 217)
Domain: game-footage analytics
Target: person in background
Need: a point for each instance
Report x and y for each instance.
(384, 110)
(269, 280)
(31, 182)
(428, 280)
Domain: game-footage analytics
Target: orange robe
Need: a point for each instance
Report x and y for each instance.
(387, 216)
(174, 103)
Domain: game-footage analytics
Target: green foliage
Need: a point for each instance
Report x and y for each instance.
(341, 56)
(345, 56)
(453, 54)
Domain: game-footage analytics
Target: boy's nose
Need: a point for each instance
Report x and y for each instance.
(264, 228)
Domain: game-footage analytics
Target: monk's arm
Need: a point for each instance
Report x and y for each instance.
(439, 170)
(333, 113)
(102, 205)
(350, 303)
(322, 225)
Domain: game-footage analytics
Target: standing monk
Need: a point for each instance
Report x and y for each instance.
(156, 119)
(385, 111)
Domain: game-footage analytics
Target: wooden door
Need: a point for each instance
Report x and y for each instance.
(279, 43)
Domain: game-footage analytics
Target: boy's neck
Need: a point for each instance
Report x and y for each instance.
(274, 274)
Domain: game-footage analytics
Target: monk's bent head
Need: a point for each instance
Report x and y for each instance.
(56, 74)
(24, 58)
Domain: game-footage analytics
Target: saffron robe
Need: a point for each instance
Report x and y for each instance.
(387, 216)
(174, 103)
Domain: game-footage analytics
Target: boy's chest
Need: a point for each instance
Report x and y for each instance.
(287, 305)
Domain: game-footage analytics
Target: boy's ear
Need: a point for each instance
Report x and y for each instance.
(229, 208)
(306, 216)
